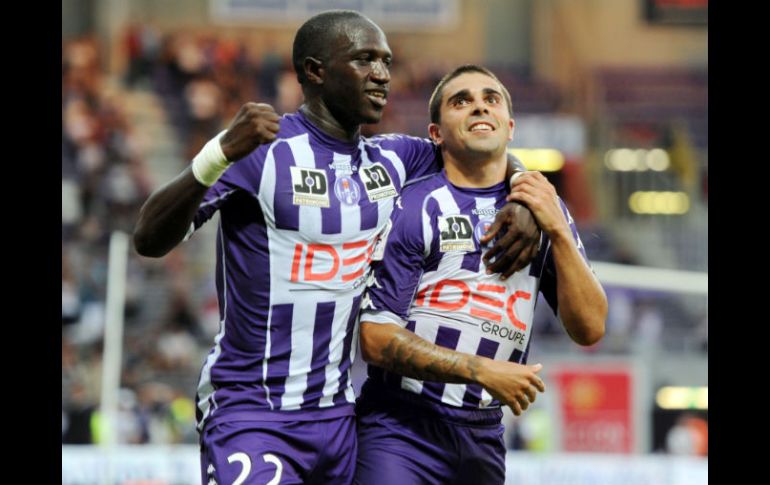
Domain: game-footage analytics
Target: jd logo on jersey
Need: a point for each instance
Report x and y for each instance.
(377, 182)
(310, 187)
(456, 233)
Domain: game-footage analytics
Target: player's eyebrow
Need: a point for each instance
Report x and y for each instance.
(463, 93)
(488, 91)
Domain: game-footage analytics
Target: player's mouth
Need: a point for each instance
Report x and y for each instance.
(378, 97)
(481, 127)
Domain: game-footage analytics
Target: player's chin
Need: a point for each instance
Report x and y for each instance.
(488, 146)
(372, 116)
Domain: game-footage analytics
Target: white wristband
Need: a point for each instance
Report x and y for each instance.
(513, 177)
(210, 163)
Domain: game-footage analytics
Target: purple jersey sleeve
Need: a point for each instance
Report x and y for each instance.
(397, 274)
(548, 280)
(244, 175)
(419, 155)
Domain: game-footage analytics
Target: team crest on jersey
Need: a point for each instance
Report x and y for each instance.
(377, 182)
(310, 187)
(481, 228)
(347, 191)
(456, 233)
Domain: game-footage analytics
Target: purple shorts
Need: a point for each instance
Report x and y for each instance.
(278, 452)
(401, 442)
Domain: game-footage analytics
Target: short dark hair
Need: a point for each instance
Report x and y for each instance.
(434, 105)
(315, 36)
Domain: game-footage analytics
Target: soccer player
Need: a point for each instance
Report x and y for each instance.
(302, 200)
(447, 343)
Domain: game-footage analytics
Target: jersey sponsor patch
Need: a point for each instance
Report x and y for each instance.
(377, 182)
(310, 187)
(456, 233)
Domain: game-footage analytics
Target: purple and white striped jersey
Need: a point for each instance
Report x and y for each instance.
(431, 280)
(299, 220)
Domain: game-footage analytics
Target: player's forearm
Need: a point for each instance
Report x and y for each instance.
(166, 216)
(401, 351)
(581, 299)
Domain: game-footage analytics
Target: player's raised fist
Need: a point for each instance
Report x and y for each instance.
(253, 125)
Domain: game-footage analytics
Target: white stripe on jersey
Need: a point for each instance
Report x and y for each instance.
(468, 343)
(331, 385)
(427, 230)
(350, 223)
(393, 157)
(302, 326)
(267, 193)
(451, 260)
(267, 186)
(350, 395)
(486, 398)
(384, 206)
(218, 199)
(304, 156)
(485, 203)
(205, 388)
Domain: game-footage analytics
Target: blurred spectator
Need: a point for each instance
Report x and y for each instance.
(620, 318)
(204, 103)
(289, 95)
(70, 300)
(269, 69)
(78, 415)
(689, 436)
(142, 47)
(649, 325)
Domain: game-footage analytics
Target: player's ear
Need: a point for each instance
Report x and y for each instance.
(511, 128)
(434, 131)
(314, 70)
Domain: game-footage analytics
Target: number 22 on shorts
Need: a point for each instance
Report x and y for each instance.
(245, 461)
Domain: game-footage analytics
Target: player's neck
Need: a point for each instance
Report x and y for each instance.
(318, 114)
(478, 174)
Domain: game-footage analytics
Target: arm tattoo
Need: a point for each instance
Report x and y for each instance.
(412, 356)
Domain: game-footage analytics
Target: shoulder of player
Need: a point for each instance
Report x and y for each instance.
(389, 140)
(421, 187)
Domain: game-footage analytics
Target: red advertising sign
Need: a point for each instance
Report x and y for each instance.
(596, 409)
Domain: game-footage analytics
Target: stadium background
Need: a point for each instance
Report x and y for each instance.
(611, 101)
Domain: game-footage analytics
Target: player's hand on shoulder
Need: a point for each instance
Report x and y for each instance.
(518, 241)
(253, 125)
(536, 192)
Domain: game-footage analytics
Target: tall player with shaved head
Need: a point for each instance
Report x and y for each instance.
(303, 199)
